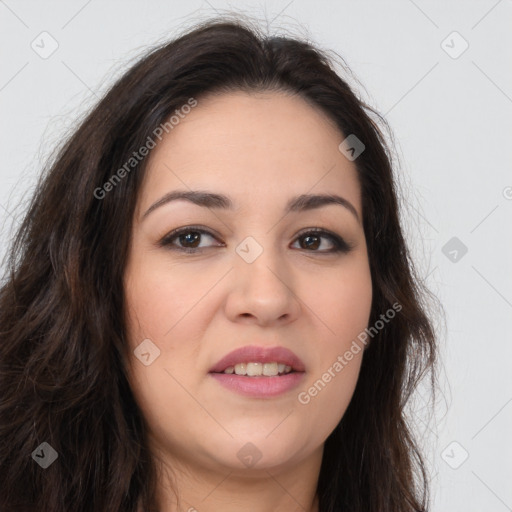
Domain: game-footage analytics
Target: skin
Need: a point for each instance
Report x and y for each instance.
(259, 149)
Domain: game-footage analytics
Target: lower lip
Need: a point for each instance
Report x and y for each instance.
(259, 387)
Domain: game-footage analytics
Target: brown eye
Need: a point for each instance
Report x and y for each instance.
(313, 240)
(192, 237)
(186, 239)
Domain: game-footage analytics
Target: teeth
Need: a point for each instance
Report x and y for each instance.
(241, 369)
(254, 369)
(257, 369)
(269, 369)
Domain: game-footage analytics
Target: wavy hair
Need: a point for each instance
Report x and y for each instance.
(63, 342)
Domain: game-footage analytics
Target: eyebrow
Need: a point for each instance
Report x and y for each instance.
(206, 199)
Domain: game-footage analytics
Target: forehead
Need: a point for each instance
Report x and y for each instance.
(257, 148)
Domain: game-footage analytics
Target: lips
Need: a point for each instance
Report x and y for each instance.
(256, 354)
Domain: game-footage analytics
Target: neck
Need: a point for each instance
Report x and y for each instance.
(189, 487)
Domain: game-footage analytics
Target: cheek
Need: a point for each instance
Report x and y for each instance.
(342, 302)
(166, 304)
(159, 309)
(162, 298)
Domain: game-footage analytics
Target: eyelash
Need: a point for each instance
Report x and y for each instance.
(340, 245)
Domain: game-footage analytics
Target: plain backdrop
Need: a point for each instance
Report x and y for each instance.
(441, 74)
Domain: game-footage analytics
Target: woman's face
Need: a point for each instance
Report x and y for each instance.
(258, 278)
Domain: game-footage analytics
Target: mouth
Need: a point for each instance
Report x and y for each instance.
(254, 369)
(255, 361)
(258, 371)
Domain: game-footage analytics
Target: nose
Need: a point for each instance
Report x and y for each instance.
(263, 292)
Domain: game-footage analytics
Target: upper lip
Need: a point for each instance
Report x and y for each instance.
(256, 354)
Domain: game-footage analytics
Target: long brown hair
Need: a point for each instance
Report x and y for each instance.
(62, 334)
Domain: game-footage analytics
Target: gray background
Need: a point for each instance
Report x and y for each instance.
(450, 115)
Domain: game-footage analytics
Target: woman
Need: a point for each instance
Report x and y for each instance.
(210, 304)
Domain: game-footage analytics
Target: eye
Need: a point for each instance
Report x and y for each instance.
(187, 239)
(313, 240)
